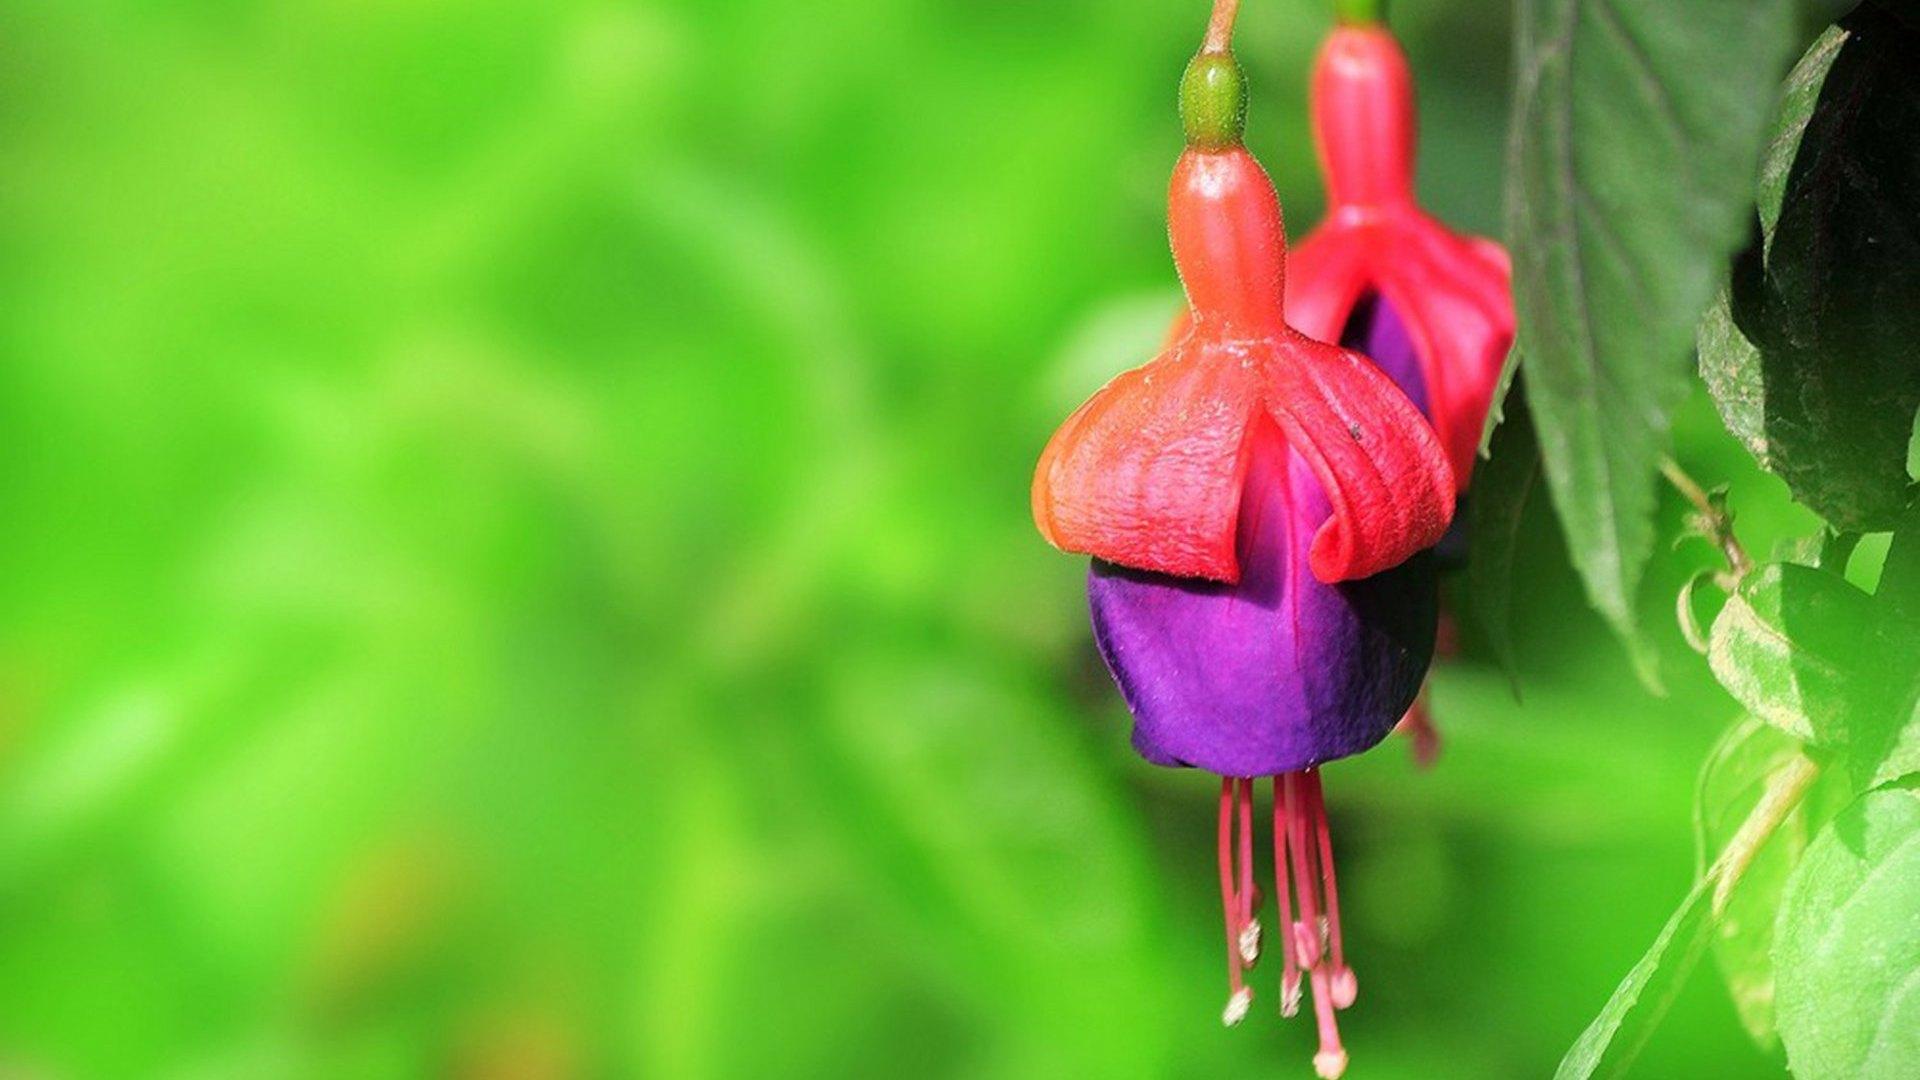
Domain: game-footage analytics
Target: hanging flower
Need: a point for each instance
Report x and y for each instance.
(1257, 505)
(1382, 275)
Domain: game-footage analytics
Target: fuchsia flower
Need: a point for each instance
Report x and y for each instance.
(1378, 258)
(1434, 309)
(1258, 505)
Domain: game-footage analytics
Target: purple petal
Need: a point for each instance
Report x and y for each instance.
(1375, 329)
(1281, 671)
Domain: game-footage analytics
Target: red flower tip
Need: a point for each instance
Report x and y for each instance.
(1453, 291)
(1147, 473)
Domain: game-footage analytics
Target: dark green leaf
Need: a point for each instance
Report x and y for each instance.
(1497, 405)
(1610, 1043)
(1848, 944)
(1809, 351)
(1892, 753)
(1503, 487)
(1899, 588)
(1731, 782)
(1636, 127)
(1790, 646)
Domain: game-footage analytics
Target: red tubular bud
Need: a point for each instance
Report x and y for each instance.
(1228, 241)
(1363, 118)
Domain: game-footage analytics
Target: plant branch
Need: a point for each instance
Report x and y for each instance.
(1785, 789)
(1712, 514)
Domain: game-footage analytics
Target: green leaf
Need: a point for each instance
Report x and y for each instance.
(1731, 782)
(1886, 744)
(1848, 944)
(1790, 646)
(1636, 126)
(1617, 1034)
(1893, 752)
(1827, 550)
(1808, 351)
(1503, 487)
(1497, 404)
(1899, 589)
(1913, 450)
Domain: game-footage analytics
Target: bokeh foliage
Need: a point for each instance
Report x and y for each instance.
(516, 563)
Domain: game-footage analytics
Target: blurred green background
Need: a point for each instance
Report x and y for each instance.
(514, 561)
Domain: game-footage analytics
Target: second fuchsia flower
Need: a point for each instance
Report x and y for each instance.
(1382, 275)
(1432, 307)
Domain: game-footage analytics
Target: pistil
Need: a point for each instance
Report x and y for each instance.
(1309, 844)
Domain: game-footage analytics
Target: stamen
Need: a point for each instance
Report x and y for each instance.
(1249, 937)
(1306, 811)
(1345, 985)
(1290, 971)
(1239, 998)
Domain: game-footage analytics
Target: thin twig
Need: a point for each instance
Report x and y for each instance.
(1715, 519)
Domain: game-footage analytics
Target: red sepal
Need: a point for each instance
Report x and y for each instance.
(1451, 291)
(1379, 463)
(1148, 472)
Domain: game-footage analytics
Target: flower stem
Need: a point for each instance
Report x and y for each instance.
(1714, 519)
(1785, 789)
(1361, 12)
(1220, 27)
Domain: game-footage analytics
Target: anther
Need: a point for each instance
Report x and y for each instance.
(1250, 942)
(1244, 796)
(1238, 1004)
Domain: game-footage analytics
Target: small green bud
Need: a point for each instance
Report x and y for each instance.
(1213, 101)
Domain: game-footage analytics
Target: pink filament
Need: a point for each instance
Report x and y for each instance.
(1306, 933)
(1228, 897)
(1246, 853)
(1303, 876)
(1290, 970)
(1343, 982)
